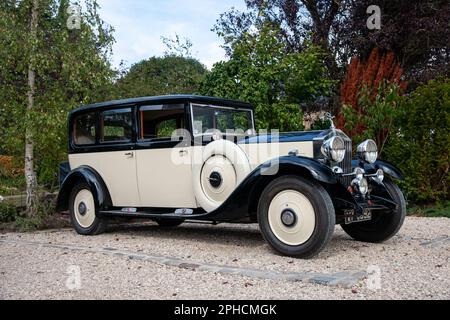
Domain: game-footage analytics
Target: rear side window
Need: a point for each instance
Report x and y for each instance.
(116, 126)
(84, 131)
(161, 121)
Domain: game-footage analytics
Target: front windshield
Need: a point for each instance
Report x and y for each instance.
(226, 120)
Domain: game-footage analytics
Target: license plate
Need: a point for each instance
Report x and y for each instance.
(366, 216)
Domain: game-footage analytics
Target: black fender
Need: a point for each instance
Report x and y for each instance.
(387, 167)
(244, 200)
(95, 182)
(315, 169)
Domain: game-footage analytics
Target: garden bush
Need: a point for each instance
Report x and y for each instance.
(8, 212)
(421, 145)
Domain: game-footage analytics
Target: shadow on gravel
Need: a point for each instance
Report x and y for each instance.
(246, 235)
(226, 234)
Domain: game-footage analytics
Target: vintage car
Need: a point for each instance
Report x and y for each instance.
(186, 158)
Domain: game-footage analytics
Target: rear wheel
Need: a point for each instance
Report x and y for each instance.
(384, 225)
(83, 211)
(296, 216)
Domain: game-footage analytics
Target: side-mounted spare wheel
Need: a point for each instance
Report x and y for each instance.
(384, 225)
(83, 211)
(296, 216)
(217, 170)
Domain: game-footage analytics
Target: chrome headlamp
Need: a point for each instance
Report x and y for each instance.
(368, 151)
(361, 185)
(334, 149)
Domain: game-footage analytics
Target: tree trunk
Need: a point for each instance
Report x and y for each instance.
(30, 174)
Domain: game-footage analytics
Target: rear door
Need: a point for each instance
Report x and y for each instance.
(113, 156)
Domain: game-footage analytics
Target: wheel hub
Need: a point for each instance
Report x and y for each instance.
(215, 179)
(289, 218)
(82, 209)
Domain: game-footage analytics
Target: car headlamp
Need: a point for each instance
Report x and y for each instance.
(368, 151)
(334, 149)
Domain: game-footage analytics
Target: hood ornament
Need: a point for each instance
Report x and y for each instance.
(328, 116)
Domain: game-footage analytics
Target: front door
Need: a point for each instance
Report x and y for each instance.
(164, 172)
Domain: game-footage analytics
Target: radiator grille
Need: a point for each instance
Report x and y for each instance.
(347, 163)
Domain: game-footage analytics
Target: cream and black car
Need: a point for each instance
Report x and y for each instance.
(184, 158)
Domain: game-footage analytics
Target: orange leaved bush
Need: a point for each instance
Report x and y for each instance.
(379, 67)
(8, 167)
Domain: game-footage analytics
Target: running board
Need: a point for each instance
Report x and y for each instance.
(150, 215)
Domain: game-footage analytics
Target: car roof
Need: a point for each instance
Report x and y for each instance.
(180, 98)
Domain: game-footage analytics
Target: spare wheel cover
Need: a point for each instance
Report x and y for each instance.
(222, 167)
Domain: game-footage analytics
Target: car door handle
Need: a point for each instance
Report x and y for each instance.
(130, 154)
(183, 153)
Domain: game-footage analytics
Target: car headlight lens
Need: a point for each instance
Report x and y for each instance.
(368, 151)
(334, 149)
(361, 185)
(380, 175)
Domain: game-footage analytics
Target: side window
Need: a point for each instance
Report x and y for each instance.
(84, 131)
(116, 126)
(160, 121)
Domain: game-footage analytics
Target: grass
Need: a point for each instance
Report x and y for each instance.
(432, 211)
(12, 185)
(13, 219)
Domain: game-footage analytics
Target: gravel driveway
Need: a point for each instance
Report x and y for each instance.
(222, 262)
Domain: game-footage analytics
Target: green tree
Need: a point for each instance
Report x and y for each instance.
(48, 68)
(263, 72)
(171, 74)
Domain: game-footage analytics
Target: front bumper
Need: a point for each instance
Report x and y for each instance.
(352, 206)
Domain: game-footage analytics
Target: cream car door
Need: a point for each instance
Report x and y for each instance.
(164, 171)
(114, 157)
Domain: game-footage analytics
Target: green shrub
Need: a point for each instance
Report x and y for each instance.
(376, 115)
(412, 132)
(442, 209)
(421, 145)
(8, 213)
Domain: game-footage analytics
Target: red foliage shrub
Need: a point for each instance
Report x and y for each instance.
(379, 67)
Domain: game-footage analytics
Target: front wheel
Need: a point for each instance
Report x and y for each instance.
(83, 211)
(384, 225)
(296, 216)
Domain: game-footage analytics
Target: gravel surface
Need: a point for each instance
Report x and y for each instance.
(413, 265)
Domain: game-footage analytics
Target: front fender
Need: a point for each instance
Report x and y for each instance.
(316, 169)
(387, 167)
(244, 200)
(95, 182)
(390, 169)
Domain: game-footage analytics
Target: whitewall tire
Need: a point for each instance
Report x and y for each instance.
(217, 172)
(296, 216)
(84, 211)
(291, 217)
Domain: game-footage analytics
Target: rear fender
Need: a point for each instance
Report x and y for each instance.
(95, 182)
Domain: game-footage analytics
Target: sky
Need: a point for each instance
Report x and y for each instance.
(139, 25)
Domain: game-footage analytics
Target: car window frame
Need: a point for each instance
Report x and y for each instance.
(74, 130)
(100, 127)
(157, 107)
(192, 104)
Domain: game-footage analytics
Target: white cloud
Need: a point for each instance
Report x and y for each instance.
(139, 25)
